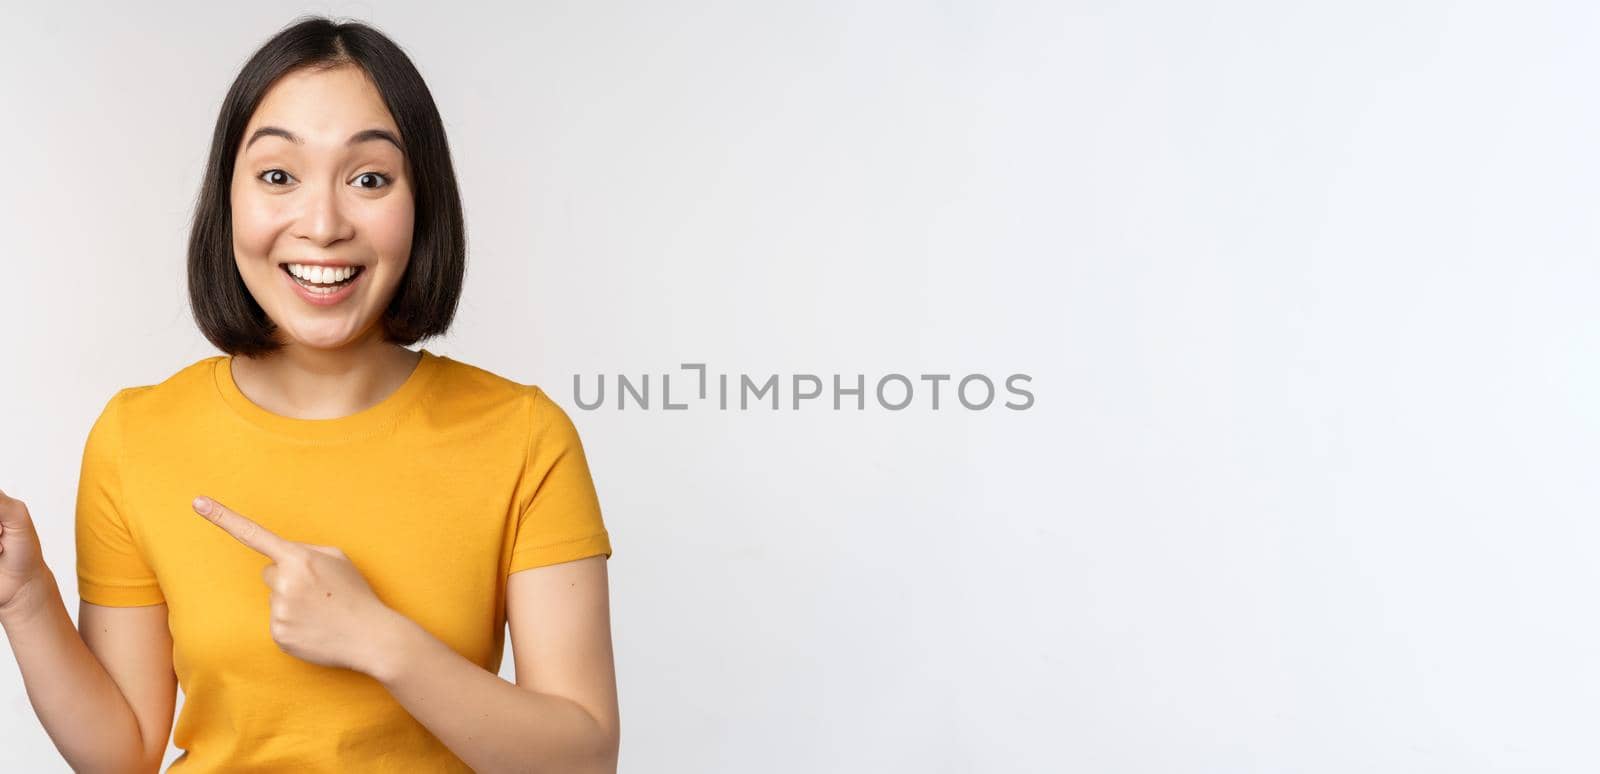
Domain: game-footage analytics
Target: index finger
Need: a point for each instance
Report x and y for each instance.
(248, 532)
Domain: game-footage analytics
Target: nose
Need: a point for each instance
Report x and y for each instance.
(322, 218)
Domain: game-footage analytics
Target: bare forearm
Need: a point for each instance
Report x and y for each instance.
(82, 709)
(490, 724)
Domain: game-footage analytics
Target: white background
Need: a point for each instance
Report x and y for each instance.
(1307, 292)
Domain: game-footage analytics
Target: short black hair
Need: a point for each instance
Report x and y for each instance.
(425, 300)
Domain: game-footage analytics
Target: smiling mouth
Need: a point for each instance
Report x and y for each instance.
(322, 285)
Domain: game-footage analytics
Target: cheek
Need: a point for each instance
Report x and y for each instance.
(388, 226)
(256, 223)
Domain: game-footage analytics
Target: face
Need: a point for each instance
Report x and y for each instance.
(320, 189)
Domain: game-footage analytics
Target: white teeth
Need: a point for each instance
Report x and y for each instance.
(321, 274)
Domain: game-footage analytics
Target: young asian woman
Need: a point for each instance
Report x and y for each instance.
(322, 534)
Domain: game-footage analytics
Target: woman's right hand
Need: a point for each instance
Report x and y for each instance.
(21, 560)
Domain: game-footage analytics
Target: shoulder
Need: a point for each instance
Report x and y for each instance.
(542, 415)
(460, 379)
(170, 398)
(472, 389)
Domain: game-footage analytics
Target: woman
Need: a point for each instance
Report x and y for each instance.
(322, 534)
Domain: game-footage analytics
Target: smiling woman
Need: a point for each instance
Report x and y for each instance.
(355, 619)
(315, 205)
(310, 168)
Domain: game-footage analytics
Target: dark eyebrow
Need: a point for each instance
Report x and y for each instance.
(365, 135)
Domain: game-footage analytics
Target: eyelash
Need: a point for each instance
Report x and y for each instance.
(387, 181)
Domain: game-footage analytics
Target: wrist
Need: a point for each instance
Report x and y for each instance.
(391, 639)
(30, 601)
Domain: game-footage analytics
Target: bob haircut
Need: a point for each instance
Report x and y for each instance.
(425, 300)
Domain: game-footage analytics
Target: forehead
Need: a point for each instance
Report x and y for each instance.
(324, 106)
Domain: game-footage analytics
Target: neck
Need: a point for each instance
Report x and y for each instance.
(304, 382)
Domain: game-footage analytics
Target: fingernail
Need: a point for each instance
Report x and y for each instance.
(202, 505)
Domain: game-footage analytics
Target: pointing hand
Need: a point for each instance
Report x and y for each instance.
(323, 610)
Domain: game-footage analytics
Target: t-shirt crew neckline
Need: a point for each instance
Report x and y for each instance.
(368, 421)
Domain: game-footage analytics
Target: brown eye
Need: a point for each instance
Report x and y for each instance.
(275, 177)
(375, 180)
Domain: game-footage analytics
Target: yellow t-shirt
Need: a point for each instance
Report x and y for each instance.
(438, 493)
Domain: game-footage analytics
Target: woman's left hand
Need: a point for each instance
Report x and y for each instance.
(323, 610)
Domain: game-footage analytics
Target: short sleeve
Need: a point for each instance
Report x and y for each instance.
(111, 570)
(562, 521)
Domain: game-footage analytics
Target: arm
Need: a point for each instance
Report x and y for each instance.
(560, 715)
(79, 703)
